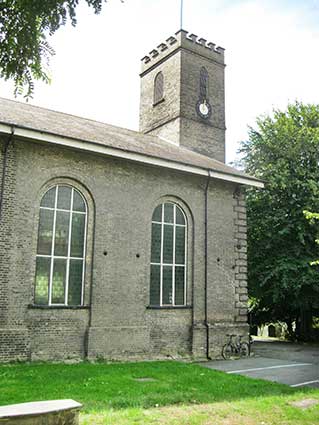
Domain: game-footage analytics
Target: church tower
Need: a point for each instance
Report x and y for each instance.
(183, 95)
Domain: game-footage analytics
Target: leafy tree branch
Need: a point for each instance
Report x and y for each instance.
(312, 217)
(25, 26)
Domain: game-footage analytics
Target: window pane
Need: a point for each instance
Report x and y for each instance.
(167, 285)
(78, 202)
(75, 282)
(179, 285)
(168, 244)
(156, 243)
(64, 197)
(155, 285)
(179, 216)
(58, 281)
(157, 215)
(61, 233)
(42, 276)
(45, 232)
(169, 213)
(180, 245)
(77, 237)
(48, 199)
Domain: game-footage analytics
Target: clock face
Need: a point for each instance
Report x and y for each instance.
(203, 108)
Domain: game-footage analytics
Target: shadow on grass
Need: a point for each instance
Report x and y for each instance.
(101, 386)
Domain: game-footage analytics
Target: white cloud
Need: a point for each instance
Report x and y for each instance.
(271, 53)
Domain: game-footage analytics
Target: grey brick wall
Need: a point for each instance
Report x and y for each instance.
(57, 334)
(118, 323)
(6, 229)
(14, 338)
(14, 344)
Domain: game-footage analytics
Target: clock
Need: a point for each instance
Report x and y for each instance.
(203, 109)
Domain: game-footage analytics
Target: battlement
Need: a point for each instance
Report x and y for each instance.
(183, 40)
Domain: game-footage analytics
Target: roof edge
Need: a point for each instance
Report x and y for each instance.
(93, 147)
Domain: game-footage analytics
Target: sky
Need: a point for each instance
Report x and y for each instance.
(272, 57)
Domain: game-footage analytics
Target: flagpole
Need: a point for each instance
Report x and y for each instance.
(182, 7)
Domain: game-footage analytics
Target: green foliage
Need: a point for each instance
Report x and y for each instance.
(312, 217)
(283, 151)
(24, 28)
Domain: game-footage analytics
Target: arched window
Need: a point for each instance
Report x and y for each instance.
(60, 261)
(158, 88)
(203, 85)
(168, 256)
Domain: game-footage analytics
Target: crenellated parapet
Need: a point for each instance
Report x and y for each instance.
(183, 40)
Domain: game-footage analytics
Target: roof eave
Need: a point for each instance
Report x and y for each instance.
(93, 147)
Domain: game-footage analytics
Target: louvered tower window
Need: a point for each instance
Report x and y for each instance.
(203, 83)
(168, 256)
(158, 88)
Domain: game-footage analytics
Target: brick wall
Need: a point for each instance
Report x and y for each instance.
(121, 197)
(14, 338)
(14, 344)
(6, 226)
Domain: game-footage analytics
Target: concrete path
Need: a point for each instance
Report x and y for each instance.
(287, 351)
(292, 364)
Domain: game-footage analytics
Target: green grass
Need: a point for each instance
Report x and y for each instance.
(110, 394)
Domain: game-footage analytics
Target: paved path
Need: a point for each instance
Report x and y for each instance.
(287, 351)
(292, 364)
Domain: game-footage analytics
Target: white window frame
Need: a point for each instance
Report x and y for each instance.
(173, 264)
(68, 257)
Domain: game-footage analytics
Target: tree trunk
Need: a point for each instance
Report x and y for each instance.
(304, 325)
(291, 333)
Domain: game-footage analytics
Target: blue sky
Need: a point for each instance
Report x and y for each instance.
(271, 55)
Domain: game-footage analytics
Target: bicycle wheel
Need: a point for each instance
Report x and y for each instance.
(227, 351)
(244, 349)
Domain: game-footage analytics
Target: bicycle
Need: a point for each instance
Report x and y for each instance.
(236, 348)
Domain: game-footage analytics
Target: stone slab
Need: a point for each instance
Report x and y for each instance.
(37, 408)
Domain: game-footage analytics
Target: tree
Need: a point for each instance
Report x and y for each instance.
(284, 152)
(24, 28)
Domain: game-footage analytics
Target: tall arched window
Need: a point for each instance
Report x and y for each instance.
(60, 261)
(158, 87)
(168, 256)
(203, 86)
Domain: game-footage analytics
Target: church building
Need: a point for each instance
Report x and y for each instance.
(117, 244)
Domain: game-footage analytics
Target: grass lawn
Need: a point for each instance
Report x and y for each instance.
(177, 393)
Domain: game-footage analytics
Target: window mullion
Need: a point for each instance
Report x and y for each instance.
(84, 256)
(174, 247)
(60, 209)
(53, 245)
(66, 295)
(162, 255)
(185, 266)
